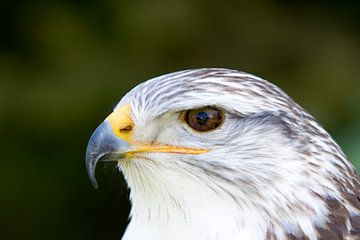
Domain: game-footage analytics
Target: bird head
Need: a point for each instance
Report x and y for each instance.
(220, 140)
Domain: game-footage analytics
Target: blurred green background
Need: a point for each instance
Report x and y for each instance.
(65, 64)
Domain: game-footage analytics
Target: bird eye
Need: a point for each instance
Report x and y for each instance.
(204, 119)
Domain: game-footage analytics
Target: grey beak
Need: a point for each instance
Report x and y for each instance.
(104, 145)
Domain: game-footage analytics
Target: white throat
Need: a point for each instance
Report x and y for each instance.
(189, 210)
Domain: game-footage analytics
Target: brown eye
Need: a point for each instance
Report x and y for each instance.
(204, 119)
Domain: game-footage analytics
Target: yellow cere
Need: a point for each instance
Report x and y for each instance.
(121, 123)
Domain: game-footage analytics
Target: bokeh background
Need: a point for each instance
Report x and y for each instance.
(65, 64)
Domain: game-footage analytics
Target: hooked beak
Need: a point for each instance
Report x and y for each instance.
(104, 145)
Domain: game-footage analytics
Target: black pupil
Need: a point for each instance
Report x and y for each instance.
(202, 118)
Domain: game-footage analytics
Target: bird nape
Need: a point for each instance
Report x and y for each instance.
(218, 154)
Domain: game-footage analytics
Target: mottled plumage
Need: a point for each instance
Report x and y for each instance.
(271, 171)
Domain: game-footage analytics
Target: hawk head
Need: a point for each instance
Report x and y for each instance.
(222, 154)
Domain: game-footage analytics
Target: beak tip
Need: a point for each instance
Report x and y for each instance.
(102, 143)
(94, 183)
(91, 162)
(95, 149)
(91, 174)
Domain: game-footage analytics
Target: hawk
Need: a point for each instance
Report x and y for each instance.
(218, 154)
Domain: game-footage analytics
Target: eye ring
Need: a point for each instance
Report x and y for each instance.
(204, 119)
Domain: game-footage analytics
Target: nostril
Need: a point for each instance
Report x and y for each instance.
(126, 129)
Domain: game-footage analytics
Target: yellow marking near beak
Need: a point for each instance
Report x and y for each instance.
(171, 149)
(166, 149)
(121, 123)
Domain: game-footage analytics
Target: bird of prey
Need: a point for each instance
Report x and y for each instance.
(219, 154)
